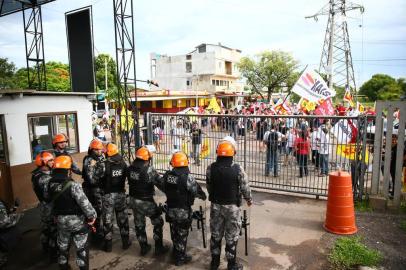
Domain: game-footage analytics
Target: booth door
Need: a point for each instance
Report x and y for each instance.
(6, 192)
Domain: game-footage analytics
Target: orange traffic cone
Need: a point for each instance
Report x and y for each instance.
(340, 216)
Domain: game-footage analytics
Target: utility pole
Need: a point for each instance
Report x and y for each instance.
(336, 59)
(106, 104)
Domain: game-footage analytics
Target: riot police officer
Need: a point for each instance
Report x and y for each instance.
(73, 212)
(114, 198)
(40, 180)
(142, 177)
(226, 183)
(92, 172)
(180, 189)
(59, 143)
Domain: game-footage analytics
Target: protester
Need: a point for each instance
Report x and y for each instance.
(302, 147)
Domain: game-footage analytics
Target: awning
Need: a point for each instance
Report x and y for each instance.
(166, 98)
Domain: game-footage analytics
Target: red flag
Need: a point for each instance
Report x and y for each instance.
(325, 108)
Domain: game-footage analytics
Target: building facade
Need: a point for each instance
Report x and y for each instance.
(209, 67)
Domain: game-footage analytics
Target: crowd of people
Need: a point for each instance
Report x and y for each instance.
(78, 212)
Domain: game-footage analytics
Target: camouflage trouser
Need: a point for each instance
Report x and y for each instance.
(225, 220)
(115, 202)
(73, 227)
(48, 226)
(95, 196)
(180, 222)
(142, 209)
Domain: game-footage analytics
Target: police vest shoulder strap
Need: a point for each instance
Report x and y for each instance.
(66, 185)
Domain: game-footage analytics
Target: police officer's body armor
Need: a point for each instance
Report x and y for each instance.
(36, 175)
(63, 202)
(87, 183)
(114, 181)
(139, 188)
(224, 186)
(175, 186)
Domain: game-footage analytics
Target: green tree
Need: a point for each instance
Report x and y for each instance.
(7, 70)
(273, 70)
(20, 79)
(380, 86)
(58, 78)
(392, 91)
(402, 84)
(100, 66)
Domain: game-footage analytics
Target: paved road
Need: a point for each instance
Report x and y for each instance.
(285, 233)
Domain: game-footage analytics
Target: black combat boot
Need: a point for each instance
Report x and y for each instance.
(65, 266)
(108, 245)
(215, 262)
(53, 255)
(160, 248)
(126, 243)
(182, 259)
(45, 247)
(234, 265)
(145, 248)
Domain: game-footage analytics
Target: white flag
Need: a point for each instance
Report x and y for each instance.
(312, 87)
(343, 132)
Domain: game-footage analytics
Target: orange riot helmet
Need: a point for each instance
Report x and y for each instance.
(143, 153)
(179, 159)
(225, 149)
(96, 144)
(43, 158)
(58, 138)
(63, 162)
(111, 149)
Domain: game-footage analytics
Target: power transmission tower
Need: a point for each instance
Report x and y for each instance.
(126, 73)
(336, 59)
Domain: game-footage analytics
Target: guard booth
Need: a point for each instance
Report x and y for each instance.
(28, 121)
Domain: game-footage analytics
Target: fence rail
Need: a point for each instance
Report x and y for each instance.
(293, 171)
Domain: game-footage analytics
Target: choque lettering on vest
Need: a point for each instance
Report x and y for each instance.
(172, 179)
(115, 173)
(135, 176)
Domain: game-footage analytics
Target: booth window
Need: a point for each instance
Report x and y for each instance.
(43, 128)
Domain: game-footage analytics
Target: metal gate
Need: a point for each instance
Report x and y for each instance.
(389, 143)
(171, 132)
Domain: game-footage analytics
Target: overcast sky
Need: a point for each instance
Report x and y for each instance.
(378, 37)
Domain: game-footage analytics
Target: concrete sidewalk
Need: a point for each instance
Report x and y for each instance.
(285, 233)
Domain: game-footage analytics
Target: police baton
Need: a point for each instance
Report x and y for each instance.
(201, 224)
(245, 224)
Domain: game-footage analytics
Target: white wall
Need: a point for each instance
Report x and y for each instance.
(16, 109)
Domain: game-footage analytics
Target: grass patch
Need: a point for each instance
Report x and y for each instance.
(363, 206)
(350, 252)
(403, 207)
(403, 225)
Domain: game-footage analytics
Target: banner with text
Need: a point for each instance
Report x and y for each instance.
(312, 87)
(345, 131)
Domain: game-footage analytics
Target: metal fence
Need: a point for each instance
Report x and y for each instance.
(171, 132)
